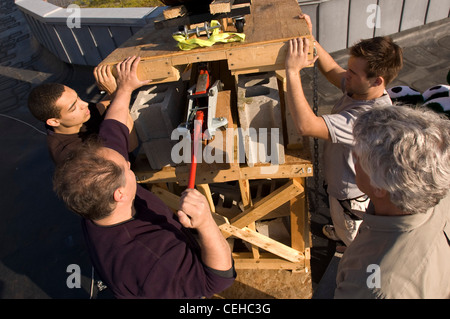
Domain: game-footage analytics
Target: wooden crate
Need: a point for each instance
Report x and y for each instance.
(268, 28)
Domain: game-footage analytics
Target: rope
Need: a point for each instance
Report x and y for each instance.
(15, 119)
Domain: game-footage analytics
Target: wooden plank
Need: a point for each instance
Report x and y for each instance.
(268, 204)
(206, 191)
(159, 70)
(263, 242)
(244, 260)
(220, 6)
(219, 173)
(244, 188)
(174, 12)
(170, 199)
(173, 202)
(299, 221)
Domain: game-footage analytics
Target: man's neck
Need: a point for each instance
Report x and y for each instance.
(369, 95)
(385, 207)
(67, 130)
(117, 216)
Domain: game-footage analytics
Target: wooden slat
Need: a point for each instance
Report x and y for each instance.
(219, 173)
(244, 188)
(206, 191)
(299, 221)
(244, 260)
(268, 204)
(170, 199)
(174, 12)
(262, 242)
(220, 6)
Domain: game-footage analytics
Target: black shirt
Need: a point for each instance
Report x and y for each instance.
(60, 145)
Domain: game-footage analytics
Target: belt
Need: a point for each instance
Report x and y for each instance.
(347, 207)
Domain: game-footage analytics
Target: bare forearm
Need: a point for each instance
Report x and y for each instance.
(328, 66)
(301, 112)
(216, 252)
(118, 109)
(195, 213)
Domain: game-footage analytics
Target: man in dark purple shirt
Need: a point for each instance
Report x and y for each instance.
(137, 245)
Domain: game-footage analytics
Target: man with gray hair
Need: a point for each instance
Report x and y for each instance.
(403, 246)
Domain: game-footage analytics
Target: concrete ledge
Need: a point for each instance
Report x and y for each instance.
(104, 29)
(85, 37)
(49, 13)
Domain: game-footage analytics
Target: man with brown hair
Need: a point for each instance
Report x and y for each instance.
(373, 63)
(68, 119)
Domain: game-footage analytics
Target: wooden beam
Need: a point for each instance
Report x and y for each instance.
(244, 260)
(175, 12)
(299, 221)
(268, 204)
(220, 6)
(173, 202)
(244, 187)
(206, 191)
(170, 199)
(263, 242)
(221, 173)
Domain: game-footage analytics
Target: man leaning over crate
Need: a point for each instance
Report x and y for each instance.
(373, 63)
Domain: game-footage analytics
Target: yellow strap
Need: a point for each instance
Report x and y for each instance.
(216, 36)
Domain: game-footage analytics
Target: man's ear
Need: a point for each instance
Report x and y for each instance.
(378, 81)
(54, 122)
(119, 194)
(379, 192)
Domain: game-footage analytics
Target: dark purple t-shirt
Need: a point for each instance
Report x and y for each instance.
(151, 255)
